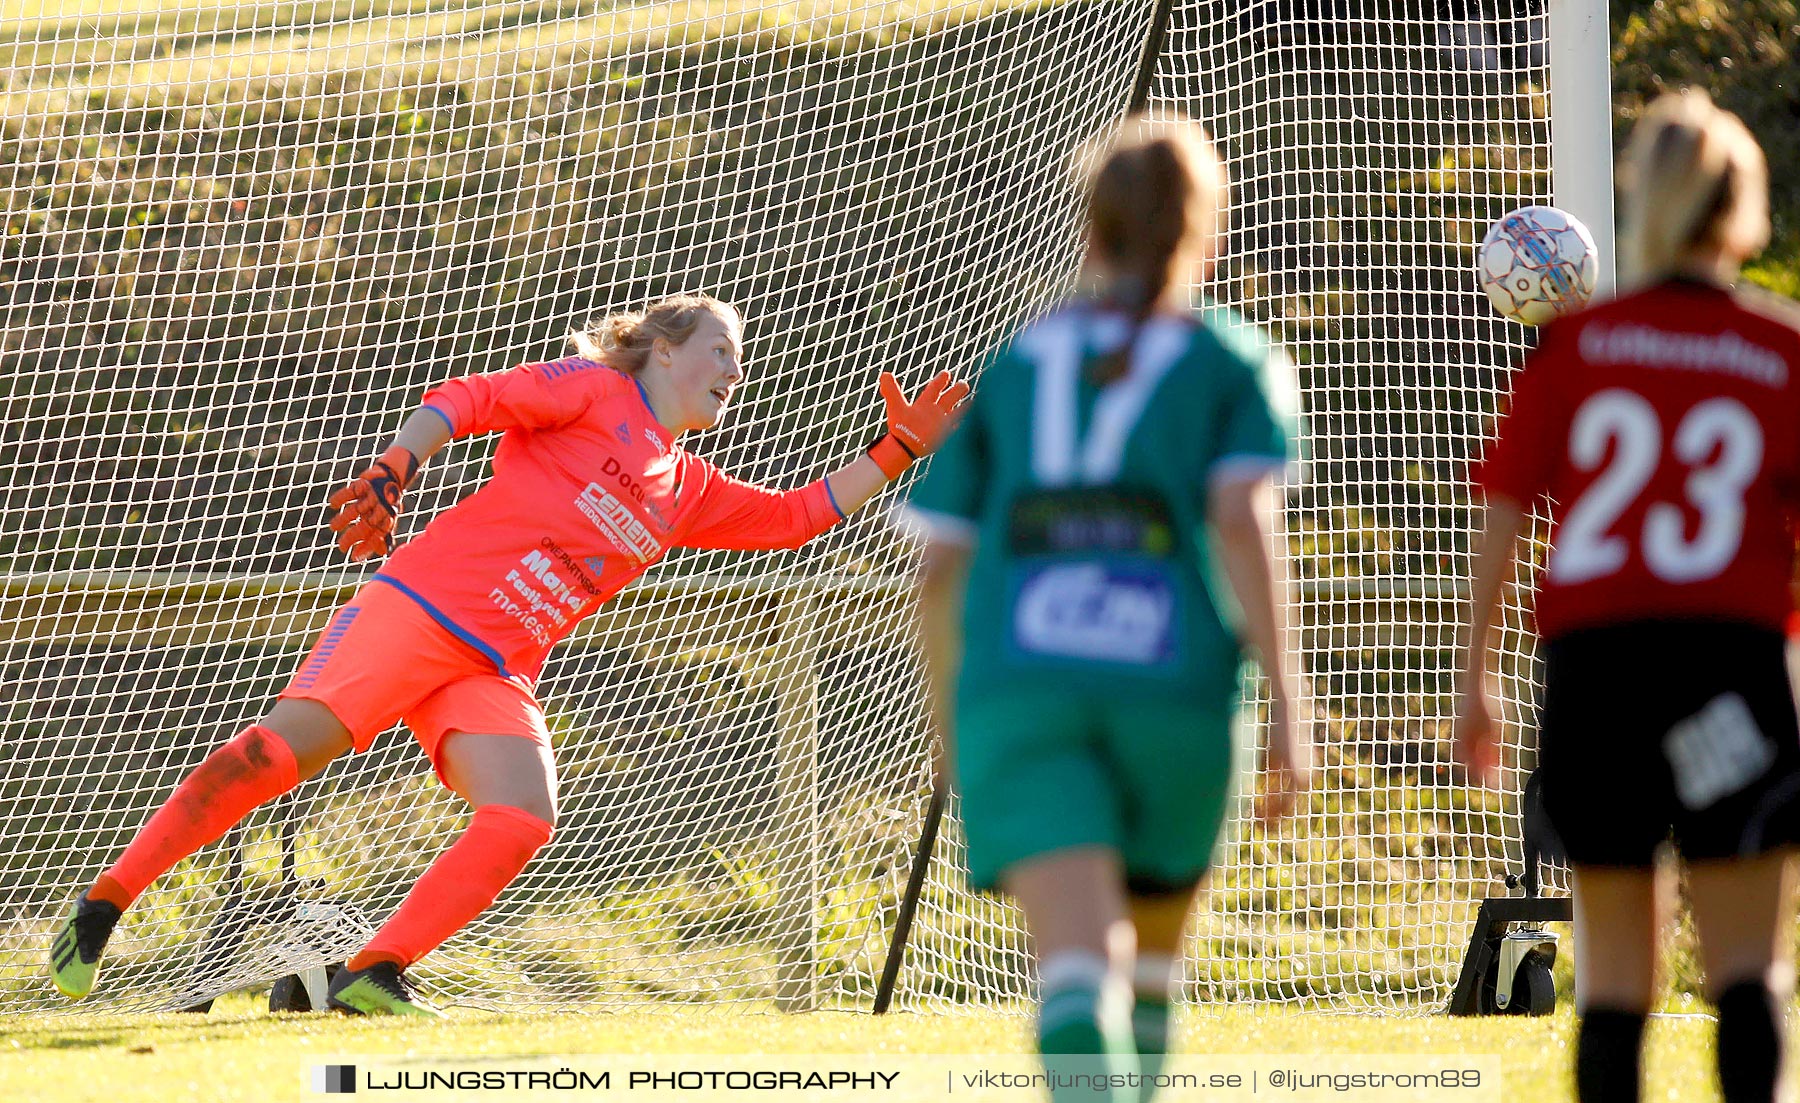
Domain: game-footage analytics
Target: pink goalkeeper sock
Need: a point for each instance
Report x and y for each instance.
(459, 886)
(253, 768)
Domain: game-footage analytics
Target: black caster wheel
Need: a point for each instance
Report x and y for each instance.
(1534, 990)
(289, 994)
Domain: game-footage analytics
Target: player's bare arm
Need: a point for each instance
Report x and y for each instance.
(1477, 737)
(1241, 511)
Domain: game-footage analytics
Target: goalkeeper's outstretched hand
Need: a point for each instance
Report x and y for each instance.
(916, 428)
(368, 506)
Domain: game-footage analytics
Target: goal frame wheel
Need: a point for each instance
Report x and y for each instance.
(1506, 939)
(289, 994)
(303, 991)
(1534, 988)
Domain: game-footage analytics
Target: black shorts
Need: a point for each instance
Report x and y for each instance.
(1669, 731)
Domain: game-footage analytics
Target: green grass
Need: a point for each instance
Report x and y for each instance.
(241, 1053)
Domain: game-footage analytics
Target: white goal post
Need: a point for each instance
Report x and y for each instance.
(1581, 147)
(241, 239)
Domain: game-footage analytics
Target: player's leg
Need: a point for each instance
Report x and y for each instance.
(1744, 911)
(1042, 823)
(1739, 848)
(357, 680)
(1074, 905)
(360, 675)
(1618, 912)
(264, 761)
(1610, 695)
(509, 780)
(1159, 918)
(292, 743)
(1175, 757)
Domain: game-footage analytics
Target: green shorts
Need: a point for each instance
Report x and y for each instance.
(1045, 769)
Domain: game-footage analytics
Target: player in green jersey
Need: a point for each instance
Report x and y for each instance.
(1117, 459)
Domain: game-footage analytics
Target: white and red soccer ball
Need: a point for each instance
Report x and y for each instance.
(1537, 263)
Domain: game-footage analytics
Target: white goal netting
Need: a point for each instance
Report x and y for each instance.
(241, 239)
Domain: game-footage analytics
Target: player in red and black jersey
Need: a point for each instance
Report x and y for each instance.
(1664, 426)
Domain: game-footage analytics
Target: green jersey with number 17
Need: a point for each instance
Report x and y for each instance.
(1086, 505)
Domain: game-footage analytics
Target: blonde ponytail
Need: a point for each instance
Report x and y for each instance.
(623, 341)
(1692, 176)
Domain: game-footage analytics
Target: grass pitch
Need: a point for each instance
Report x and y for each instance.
(240, 1053)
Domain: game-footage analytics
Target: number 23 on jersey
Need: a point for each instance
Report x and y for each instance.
(1618, 436)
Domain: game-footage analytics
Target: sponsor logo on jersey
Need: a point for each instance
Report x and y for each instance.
(655, 441)
(536, 600)
(1725, 353)
(637, 491)
(582, 578)
(1097, 613)
(521, 612)
(543, 569)
(614, 518)
(623, 431)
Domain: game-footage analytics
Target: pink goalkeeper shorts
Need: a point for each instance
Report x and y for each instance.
(382, 659)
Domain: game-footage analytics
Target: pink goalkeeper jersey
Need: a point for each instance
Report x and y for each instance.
(588, 491)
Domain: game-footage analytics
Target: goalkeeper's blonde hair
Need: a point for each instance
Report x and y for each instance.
(623, 340)
(1691, 177)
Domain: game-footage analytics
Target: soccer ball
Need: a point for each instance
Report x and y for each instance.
(1537, 263)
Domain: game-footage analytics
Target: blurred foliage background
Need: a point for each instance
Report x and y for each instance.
(1746, 53)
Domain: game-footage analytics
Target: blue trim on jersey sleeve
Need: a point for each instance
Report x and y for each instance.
(448, 424)
(556, 369)
(450, 626)
(832, 498)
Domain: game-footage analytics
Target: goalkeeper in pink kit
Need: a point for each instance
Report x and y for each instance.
(590, 488)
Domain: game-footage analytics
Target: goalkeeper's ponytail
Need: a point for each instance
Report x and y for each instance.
(1692, 177)
(623, 341)
(1155, 208)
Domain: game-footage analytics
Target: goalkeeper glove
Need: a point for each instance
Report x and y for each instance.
(915, 429)
(368, 506)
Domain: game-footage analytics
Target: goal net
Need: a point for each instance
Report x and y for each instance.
(241, 239)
